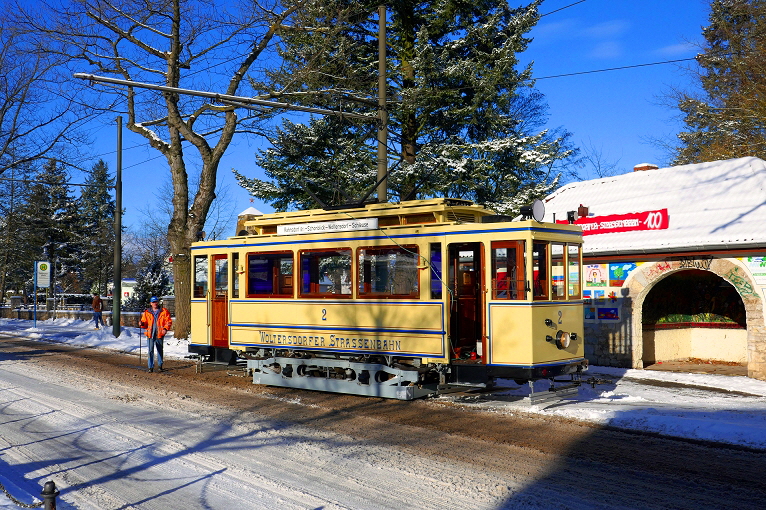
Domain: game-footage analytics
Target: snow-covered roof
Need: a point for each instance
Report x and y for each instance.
(716, 205)
(251, 210)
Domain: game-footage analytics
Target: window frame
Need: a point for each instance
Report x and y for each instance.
(325, 295)
(436, 281)
(544, 287)
(577, 296)
(563, 261)
(359, 280)
(276, 255)
(519, 294)
(201, 294)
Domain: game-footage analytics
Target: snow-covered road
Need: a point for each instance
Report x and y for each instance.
(696, 406)
(117, 448)
(112, 446)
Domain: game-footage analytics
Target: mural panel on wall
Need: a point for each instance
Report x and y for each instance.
(618, 273)
(596, 275)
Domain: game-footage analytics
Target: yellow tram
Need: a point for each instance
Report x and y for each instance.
(392, 300)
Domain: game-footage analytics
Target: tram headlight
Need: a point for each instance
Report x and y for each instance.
(562, 339)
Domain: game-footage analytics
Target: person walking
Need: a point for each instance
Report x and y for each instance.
(98, 307)
(156, 321)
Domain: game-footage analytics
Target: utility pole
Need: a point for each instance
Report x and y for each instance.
(117, 292)
(382, 113)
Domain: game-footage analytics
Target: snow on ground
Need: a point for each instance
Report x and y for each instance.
(720, 408)
(79, 332)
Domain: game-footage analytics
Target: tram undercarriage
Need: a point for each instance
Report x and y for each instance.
(343, 376)
(381, 376)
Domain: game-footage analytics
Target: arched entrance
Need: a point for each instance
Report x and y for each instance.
(694, 314)
(647, 276)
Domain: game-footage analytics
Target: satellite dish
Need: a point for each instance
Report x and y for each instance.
(535, 210)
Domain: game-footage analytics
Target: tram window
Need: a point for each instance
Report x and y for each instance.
(388, 272)
(326, 273)
(221, 276)
(540, 270)
(270, 274)
(436, 271)
(573, 258)
(508, 270)
(235, 275)
(200, 276)
(558, 279)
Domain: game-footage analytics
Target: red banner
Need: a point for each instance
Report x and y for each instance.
(646, 220)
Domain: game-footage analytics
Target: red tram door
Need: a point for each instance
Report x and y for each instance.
(465, 274)
(219, 306)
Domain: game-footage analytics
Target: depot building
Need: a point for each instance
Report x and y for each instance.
(674, 263)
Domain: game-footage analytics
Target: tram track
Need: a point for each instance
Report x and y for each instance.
(524, 460)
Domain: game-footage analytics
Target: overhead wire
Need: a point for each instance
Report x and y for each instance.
(613, 68)
(561, 8)
(563, 75)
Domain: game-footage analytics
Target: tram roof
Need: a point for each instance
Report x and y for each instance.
(710, 206)
(437, 210)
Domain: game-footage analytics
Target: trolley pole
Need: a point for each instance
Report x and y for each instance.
(117, 292)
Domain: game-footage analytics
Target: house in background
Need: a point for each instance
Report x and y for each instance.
(128, 287)
(674, 263)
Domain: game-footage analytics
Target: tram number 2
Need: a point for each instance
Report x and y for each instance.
(560, 314)
(324, 314)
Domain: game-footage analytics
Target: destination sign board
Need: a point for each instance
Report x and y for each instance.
(326, 227)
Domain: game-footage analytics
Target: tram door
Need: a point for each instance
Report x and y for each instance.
(219, 306)
(465, 273)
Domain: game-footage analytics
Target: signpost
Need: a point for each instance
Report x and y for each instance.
(42, 280)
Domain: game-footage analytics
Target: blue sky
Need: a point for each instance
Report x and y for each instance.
(618, 113)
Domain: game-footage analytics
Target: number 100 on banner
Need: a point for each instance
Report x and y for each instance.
(645, 220)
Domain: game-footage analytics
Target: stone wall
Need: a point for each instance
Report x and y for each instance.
(127, 319)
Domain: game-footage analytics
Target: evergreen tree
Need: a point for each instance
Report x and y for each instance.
(727, 120)
(97, 210)
(16, 257)
(50, 215)
(152, 280)
(466, 120)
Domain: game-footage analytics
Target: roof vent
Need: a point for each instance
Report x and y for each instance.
(644, 166)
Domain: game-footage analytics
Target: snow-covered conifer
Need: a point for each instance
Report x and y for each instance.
(727, 119)
(97, 209)
(465, 121)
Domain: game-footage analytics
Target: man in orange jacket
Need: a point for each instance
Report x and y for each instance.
(156, 321)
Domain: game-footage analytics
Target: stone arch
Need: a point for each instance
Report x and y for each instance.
(643, 279)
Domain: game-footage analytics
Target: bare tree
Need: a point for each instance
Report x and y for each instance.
(201, 44)
(593, 164)
(142, 245)
(38, 116)
(220, 217)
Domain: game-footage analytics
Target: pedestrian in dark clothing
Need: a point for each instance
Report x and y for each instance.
(98, 307)
(156, 321)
